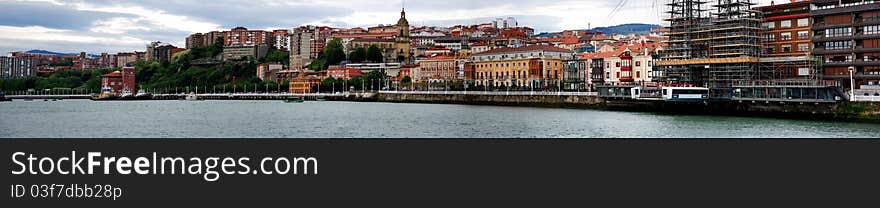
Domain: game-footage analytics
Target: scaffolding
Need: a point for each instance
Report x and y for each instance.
(685, 43)
(712, 49)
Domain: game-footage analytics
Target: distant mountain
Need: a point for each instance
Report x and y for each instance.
(636, 28)
(45, 52)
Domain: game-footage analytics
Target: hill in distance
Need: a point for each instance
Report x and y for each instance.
(45, 52)
(637, 28)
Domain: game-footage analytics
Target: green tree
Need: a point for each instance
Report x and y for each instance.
(406, 80)
(359, 55)
(275, 55)
(333, 54)
(374, 54)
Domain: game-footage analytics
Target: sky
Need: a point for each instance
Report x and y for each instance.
(112, 26)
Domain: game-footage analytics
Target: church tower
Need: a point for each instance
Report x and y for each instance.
(402, 43)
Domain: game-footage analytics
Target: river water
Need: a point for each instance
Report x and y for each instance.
(315, 119)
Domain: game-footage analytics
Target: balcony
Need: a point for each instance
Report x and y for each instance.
(823, 26)
(837, 9)
(842, 63)
(822, 51)
(868, 36)
(867, 63)
(823, 38)
(862, 49)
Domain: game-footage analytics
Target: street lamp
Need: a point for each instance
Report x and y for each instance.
(852, 85)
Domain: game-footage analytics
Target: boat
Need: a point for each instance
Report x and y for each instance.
(105, 95)
(193, 97)
(295, 100)
(141, 95)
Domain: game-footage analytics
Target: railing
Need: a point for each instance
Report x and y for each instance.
(541, 93)
(862, 98)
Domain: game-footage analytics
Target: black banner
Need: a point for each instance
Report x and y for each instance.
(445, 173)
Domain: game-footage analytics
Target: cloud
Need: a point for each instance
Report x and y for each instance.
(63, 25)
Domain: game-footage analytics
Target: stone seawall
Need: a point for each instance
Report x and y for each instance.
(504, 100)
(841, 111)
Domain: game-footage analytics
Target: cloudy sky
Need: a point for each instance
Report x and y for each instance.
(112, 26)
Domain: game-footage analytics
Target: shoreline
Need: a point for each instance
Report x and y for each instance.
(843, 111)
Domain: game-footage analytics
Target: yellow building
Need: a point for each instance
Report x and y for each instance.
(529, 66)
(303, 85)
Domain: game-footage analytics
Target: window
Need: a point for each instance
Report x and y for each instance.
(785, 36)
(838, 32)
(837, 45)
(803, 35)
(803, 47)
(785, 23)
(769, 37)
(770, 25)
(638, 63)
(618, 75)
(872, 57)
(785, 48)
(803, 71)
(618, 64)
(803, 22)
(871, 30)
(838, 59)
(638, 74)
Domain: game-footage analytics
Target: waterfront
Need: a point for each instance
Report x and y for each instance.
(271, 119)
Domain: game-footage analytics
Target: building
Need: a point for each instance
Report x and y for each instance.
(195, 40)
(119, 82)
(304, 84)
(343, 73)
(402, 41)
(125, 59)
(204, 39)
(575, 73)
(847, 36)
(268, 71)
(370, 67)
(438, 68)
(628, 65)
(510, 22)
(281, 39)
(306, 43)
(242, 52)
(158, 51)
(787, 40)
(714, 49)
(241, 36)
(458, 43)
(14, 67)
(535, 66)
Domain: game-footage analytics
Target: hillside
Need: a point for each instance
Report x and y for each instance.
(637, 28)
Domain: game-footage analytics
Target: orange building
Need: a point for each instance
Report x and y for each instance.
(303, 85)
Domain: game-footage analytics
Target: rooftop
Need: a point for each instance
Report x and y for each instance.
(525, 48)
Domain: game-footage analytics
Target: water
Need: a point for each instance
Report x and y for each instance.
(271, 119)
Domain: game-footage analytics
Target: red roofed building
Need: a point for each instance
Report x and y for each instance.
(511, 38)
(119, 82)
(437, 68)
(343, 73)
(534, 66)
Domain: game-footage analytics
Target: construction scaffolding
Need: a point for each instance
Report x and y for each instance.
(712, 49)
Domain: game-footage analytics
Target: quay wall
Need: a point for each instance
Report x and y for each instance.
(565, 101)
(839, 111)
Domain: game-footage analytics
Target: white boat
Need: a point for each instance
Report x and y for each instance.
(192, 97)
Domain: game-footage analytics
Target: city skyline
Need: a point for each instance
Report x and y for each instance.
(111, 26)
